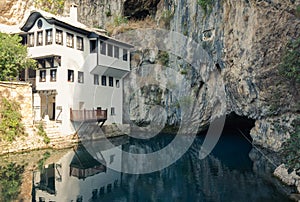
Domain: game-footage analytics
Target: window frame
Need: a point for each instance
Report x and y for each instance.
(117, 83)
(111, 81)
(59, 39)
(79, 43)
(43, 77)
(53, 79)
(103, 47)
(49, 38)
(93, 49)
(70, 75)
(30, 39)
(116, 52)
(112, 111)
(110, 50)
(103, 80)
(69, 40)
(125, 54)
(80, 77)
(96, 79)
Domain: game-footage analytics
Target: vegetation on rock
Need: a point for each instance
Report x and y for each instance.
(206, 5)
(10, 181)
(11, 120)
(13, 57)
(51, 6)
(42, 133)
(41, 162)
(290, 64)
(291, 148)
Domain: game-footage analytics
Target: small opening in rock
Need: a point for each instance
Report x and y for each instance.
(218, 67)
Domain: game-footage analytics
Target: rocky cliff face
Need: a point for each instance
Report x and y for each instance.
(244, 40)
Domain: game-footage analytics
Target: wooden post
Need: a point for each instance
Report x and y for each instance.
(84, 114)
(71, 114)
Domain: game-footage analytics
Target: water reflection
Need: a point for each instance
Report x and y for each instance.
(225, 175)
(77, 176)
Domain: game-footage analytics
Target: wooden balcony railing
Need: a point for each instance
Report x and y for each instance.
(98, 115)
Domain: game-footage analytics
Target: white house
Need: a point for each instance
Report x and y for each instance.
(80, 70)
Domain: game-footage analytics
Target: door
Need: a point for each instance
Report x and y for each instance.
(53, 110)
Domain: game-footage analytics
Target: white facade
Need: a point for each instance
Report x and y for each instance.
(72, 66)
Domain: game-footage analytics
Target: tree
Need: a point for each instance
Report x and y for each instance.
(13, 57)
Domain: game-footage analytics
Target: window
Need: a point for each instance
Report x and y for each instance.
(103, 80)
(93, 46)
(70, 40)
(70, 75)
(40, 24)
(111, 159)
(111, 81)
(109, 50)
(31, 39)
(116, 51)
(59, 37)
(94, 194)
(96, 79)
(101, 192)
(118, 83)
(42, 75)
(103, 47)
(42, 199)
(80, 77)
(79, 198)
(116, 183)
(24, 40)
(109, 186)
(53, 75)
(112, 111)
(125, 54)
(49, 37)
(79, 43)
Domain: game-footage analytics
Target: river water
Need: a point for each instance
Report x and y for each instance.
(77, 174)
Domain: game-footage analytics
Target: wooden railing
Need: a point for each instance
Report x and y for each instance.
(88, 115)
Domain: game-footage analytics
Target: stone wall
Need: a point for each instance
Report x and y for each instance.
(22, 93)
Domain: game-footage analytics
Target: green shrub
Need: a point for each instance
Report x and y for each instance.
(42, 133)
(118, 20)
(290, 63)
(163, 57)
(11, 125)
(10, 181)
(42, 161)
(51, 6)
(166, 18)
(291, 148)
(206, 6)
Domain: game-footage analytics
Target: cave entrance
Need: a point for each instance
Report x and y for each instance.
(235, 143)
(238, 124)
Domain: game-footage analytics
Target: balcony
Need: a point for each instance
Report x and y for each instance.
(93, 115)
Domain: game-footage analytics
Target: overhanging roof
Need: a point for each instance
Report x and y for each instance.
(66, 23)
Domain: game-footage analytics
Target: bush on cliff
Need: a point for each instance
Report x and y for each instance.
(10, 120)
(291, 148)
(290, 63)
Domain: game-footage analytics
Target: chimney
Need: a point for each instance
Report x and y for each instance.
(73, 12)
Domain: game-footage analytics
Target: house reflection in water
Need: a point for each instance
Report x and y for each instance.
(77, 176)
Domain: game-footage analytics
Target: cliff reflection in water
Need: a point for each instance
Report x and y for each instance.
(225, 175)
